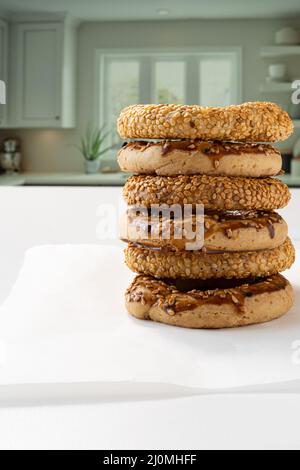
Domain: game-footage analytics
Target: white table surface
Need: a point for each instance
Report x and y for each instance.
(31, 216)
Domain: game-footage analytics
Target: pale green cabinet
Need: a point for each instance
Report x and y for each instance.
(43, 72)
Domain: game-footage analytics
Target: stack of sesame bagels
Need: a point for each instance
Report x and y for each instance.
(221, 158)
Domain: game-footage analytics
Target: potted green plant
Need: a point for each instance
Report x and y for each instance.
(91, 147)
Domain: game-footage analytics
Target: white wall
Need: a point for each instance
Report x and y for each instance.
(50, 150)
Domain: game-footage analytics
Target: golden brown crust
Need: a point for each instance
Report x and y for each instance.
(214, 192)
(253, 122)
(206, 265)
(228, 231)
(168, 158)
(247, 303)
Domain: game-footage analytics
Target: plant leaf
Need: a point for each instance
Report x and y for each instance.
(104, 150)
(92, 141)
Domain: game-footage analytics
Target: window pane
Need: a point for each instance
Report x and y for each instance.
(169, 82)
(122, 87)
(215, 82)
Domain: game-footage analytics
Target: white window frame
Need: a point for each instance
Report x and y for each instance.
(156, 54)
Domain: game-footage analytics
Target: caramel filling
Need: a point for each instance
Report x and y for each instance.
(236, 294)
(213, 149)
(227, 222)
(176, 296)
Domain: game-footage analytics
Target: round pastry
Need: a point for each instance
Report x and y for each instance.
(168, 158)
(234, 304)
(162, 263)
(214, 192)
(227, 231)
(252, 122)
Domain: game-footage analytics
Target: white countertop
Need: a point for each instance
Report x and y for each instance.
(12, 180)
(34, 215)
(204, 422)
(81, 179)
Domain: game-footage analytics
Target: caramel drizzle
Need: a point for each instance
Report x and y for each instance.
(271, 229)
(213, 149)
(178, 301)
(231, 221)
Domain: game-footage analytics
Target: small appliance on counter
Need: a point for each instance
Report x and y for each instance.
(10, 157)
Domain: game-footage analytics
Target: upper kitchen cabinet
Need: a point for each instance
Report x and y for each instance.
(3, 68)
(43, 72)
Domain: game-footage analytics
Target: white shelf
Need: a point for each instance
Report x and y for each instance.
(279, 51)
(276, 87)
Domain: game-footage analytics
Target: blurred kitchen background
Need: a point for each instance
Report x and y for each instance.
(69, 66)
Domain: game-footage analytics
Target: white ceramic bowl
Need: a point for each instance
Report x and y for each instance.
(287, 36)
(277, 71)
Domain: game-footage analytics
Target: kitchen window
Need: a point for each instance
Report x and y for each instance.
(209, 77)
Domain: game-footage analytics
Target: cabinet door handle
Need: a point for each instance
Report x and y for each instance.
(57, 117)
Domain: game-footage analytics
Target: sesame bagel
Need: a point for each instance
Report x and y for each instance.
(161, 263)
(215, 192)
(168, 158)
(252, 122)
(227, 231)
(241, 303)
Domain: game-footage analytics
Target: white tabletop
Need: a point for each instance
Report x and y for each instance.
(31, 216)
(211, 422)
